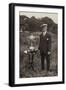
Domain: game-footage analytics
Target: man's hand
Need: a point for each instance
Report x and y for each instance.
(49, 53)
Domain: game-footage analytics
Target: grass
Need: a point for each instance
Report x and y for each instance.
(25, 68)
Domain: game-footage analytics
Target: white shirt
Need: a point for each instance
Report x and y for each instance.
(44, 33)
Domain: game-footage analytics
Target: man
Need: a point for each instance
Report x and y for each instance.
(45, 47)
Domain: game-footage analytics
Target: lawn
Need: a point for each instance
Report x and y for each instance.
(25, 68)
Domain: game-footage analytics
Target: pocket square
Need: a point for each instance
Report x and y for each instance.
(47, 38)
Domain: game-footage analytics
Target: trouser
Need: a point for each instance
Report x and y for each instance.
(43, 58)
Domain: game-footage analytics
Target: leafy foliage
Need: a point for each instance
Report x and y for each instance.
(33, 24)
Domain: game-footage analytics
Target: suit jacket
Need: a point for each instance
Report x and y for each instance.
(45, 43)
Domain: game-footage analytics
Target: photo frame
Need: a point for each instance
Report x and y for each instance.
(28, 64)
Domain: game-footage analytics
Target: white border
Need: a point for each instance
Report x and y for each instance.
(40, 79)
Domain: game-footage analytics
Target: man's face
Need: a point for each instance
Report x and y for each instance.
(44, 29)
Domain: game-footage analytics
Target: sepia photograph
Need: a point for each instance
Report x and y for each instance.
(36, 55)
(38, 36)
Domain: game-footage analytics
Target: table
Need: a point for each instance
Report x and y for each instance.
(31, 53)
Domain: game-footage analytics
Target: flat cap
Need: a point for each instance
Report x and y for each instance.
(43, 25)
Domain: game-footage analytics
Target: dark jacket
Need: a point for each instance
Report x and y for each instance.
(45, 43)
